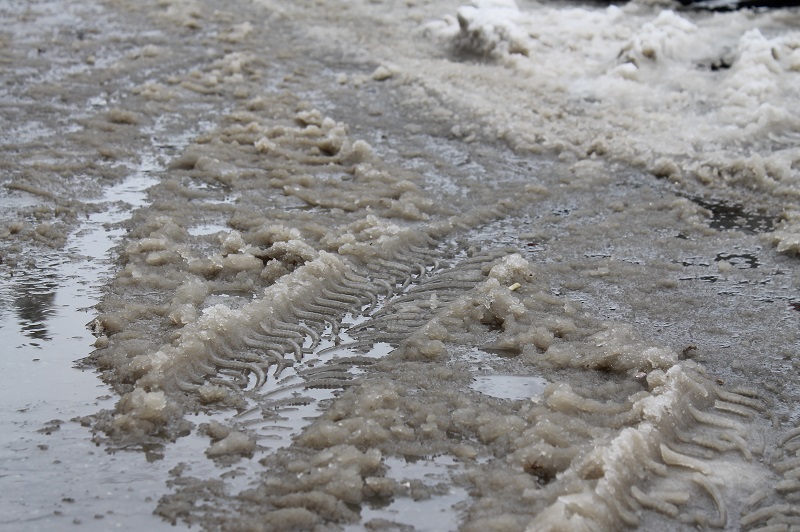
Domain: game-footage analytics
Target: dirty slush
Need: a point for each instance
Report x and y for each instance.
(400, 265)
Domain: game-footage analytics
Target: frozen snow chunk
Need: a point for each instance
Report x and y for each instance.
(492, 427)
(618, 348)
(140, 413)
(151, 50)
(215, 430)
(155, 91)
(101, 342)
(146, 245)
(500, 301)
(430, 350)
(265, 145)
(183, 315)
(348, 456)
(267, 235)
(144, 405)
(235, 443)
(669, 36)
(237, 32)
(787, 242)
(359, 152)
(223, 172)
(193, 291)
(310, 118)
(329, 123)
(219, 314)
(658, 357)
(627, 71)
(240, 262)
(232, 242)
(358, 238)
(490, 27)
(212, 393)
(757, 74)
(512, 269)
(445, 29)
(294, 251)
(664, 167)
(757, 54)
(160, 258)
(205, 267)
(383, 72)
(787, 237)
(335, 139)
(120, 116)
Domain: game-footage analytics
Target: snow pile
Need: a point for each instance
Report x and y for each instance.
(682, 95)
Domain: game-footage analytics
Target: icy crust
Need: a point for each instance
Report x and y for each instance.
(684, 96)
(312, 160)
(142, 415)
(603, 462)
(614, 347)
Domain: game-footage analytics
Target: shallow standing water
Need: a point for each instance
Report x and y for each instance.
(45, 331)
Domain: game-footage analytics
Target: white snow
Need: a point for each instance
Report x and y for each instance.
(714, 94)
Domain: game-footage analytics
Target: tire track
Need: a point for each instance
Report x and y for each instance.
(657, 452)
(775, 508)
(224, 353)
(271, 333)
(283, 405)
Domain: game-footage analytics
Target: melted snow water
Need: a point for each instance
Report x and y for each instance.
(433, 502)
(510, 386)
(43, 395)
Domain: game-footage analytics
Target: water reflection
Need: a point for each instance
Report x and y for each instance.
(31, 294)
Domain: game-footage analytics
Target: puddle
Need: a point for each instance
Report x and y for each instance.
(742, 261)
(208, 229)
(491, 376)
(434, 511)
(286, 405)
(51, 472)
(734, 216)
(509, 386)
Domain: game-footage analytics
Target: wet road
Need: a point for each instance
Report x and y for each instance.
(329, 288)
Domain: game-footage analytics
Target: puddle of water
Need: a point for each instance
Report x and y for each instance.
(489, 378)
(208, 229)
(509, 386)
(292, 417)
(743, 261)
(433, 514)
(15, 201)
(50, 471)
(735, 216)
